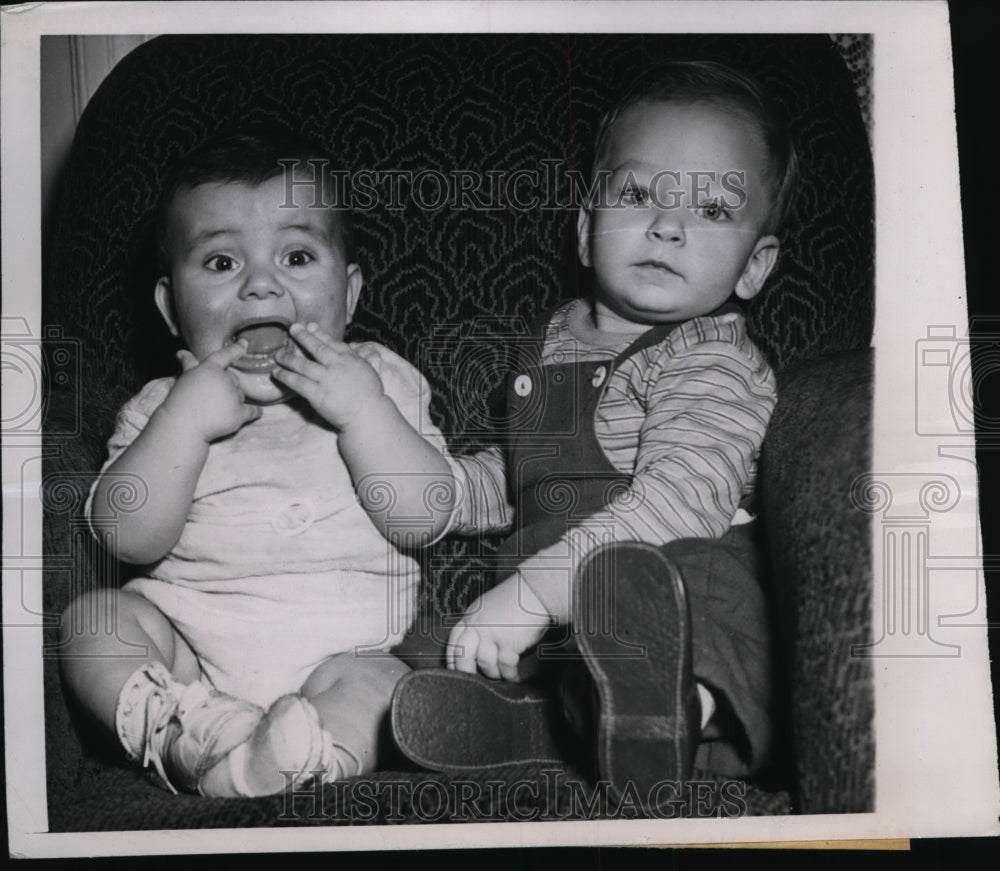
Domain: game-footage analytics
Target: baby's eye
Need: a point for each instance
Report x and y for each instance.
(298, 258)
(713, 211)
(220, 263)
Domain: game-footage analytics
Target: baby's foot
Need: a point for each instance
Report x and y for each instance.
(181, 730)
(288, 748)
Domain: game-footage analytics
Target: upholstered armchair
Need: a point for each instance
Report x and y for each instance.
(500, 103)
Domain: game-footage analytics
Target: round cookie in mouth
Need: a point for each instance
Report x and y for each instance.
(264, 339)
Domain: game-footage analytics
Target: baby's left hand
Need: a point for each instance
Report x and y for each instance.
(336, 380)
(496, 629)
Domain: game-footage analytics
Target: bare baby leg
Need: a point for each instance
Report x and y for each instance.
(105, 636)
(132, 671)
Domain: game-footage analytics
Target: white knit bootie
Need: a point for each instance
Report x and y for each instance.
(183, 730)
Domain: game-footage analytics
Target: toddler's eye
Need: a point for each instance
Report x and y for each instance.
(713, 211)
(634, 195)
(220, 263)
(298, 258)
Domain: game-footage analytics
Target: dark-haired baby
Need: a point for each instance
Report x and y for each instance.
(251, 653)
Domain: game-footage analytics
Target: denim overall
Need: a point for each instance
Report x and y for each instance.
(559, 475)
(557, 471)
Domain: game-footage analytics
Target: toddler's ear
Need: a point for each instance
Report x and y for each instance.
(759, 266)
(583, 236)
(355, 281)
(165, 303)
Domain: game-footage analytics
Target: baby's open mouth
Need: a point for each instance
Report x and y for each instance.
(264, 339)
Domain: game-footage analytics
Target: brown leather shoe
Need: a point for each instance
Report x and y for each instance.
(632, 625)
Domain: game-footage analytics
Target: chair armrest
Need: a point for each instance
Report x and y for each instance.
(818, 443)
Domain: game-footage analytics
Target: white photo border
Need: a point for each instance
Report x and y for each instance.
(936, 753)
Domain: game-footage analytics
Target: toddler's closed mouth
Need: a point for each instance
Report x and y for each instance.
(657, 264)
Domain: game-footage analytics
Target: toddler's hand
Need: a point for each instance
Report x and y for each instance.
(336, 380)
(496, 629)
(208, 395)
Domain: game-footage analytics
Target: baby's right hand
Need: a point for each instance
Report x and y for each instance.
(207, 396)
(336, 380)
(497, 629)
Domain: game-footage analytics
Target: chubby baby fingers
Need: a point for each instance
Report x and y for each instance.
(506, 663)
(187, 360)
(463, 645)
(289, 361)
(314, 329)
(251, 412)
(487, 655)
(225, 356)
(306, 379)
(314, 341)
(303, 386)
(369, 354)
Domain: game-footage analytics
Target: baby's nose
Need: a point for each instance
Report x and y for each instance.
(262, 282)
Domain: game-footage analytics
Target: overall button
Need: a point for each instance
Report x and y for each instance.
(600, 373)
(293, 518)
(522, 385)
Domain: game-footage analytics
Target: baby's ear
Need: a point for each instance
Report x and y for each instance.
(758, 268)
(583, 235)
(355, 281)
(165, 303)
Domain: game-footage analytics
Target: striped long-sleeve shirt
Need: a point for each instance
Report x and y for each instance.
(684, 418)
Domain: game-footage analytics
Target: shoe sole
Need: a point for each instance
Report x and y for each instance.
(632, 626)
(456, 722)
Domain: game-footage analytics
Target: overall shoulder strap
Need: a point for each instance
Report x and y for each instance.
(657, 334)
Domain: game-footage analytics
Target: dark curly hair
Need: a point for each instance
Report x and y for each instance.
(254, 154)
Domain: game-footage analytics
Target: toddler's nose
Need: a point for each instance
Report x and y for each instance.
(666, 226)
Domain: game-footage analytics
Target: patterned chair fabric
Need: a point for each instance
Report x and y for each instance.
(401, 105)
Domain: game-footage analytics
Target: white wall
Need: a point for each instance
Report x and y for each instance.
(72, 68)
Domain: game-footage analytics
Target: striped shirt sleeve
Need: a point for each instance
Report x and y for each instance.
(481, 505)
(700, 403)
